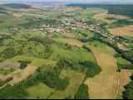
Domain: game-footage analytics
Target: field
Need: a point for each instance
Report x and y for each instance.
(109, 79)
(39, 90)
(75, 80)
(122, 31)
(65, 52)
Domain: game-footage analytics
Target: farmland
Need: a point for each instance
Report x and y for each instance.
(65, 53)
(120, 31)
(109, 77)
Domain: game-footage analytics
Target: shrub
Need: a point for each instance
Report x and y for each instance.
(24, 64)
(9, 53)
(12, 92)
(51, 78)
(82, 92)
(91, 68)
(128, 93)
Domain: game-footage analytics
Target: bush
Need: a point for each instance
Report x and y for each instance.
(91, 68)
(24, 64)
(82, 92)
(128, 93)
(51, 78)
(8, 53)
(12, 92)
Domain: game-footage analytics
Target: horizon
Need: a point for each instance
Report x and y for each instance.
(72, 1)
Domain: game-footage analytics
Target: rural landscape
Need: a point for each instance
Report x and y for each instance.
(66, 51)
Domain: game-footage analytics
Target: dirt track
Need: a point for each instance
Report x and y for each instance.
(24, 74)
(20, 75)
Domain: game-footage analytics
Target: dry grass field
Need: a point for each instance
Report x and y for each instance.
(121, 31)
(109, 83)
(109, 18)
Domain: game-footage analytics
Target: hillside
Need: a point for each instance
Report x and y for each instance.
(16, 5)
(64, 53)
(112, 9)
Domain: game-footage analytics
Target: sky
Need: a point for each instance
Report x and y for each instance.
(76, 1)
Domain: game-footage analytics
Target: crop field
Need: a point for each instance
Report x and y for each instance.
(109, 79)
(122, 31)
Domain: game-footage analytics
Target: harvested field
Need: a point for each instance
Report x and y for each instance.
(109, 18)
(109, 83)
(121, 31)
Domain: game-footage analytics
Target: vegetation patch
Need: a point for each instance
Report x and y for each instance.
(128, 93)
(82, 92)
(123, 64)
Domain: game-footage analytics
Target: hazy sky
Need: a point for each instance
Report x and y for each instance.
(83, 1)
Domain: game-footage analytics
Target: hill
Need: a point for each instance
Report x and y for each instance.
(113, 9)
(17, 6)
